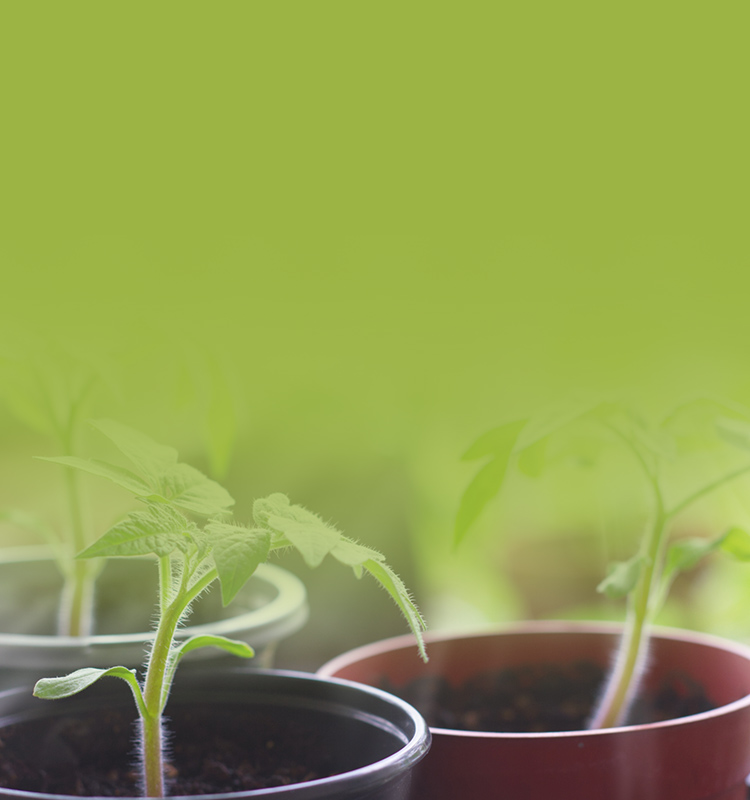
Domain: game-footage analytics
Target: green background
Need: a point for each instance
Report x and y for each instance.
(385, 226)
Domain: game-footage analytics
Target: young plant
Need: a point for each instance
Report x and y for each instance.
(185, 524)
(646, 577)
(50, 394)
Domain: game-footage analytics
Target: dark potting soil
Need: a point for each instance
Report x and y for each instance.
(211, 751)
(540, 698)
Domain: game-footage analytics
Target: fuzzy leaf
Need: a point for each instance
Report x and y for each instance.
(237, 552)
(305, 531)
(354, 555)
(233, 646)
(388, 579)
(189, 489)
(622, 577)
(159, 530)
(57, 688)
(736, 542)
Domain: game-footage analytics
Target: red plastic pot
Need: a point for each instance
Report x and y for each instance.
(698, 757)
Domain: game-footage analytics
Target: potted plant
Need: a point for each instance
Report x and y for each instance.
(611, 746)
(193, 549)
(105, 613)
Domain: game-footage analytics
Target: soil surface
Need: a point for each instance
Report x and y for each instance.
(93, 753)
(540, 699)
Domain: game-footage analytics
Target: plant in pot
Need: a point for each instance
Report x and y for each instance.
(251, 715)
(58, 612)
(573, 710)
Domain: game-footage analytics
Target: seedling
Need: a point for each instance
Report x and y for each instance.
(645, 578)
(185, 524)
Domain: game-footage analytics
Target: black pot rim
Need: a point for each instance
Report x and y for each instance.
(313, 691)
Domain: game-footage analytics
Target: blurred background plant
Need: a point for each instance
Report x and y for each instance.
(315, 268)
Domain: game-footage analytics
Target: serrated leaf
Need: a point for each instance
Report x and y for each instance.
(353, 554)
(395, 587)
(69, 685)
(736, 542)
(122, 477)
(159, 530)
(191, 490)
(237, 552)
(496, 442)
(151, 459)
(305, 531)
(483, 488)
(622, 577)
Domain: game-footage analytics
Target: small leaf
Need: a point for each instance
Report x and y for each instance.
(354, 554)
(532, 460)
(305, 531)
(496, 442)
(483, 487)
(736, 542)
(159, 530)
(395, 587)
(233, 646)
(685, 554)
(122, 477)
(58, 688)
(622, 577)
(237, 552)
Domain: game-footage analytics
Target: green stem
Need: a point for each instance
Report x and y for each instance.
(623, 680)
(688, 501)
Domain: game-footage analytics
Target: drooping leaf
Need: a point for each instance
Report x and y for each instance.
(305, 531)
(122, 477)
(736, 542)
(685, 554)
(622, 577)
(354, 555)
(232, 646)
(395, 587)
(68, 685)
(237, 552)
(159, 530)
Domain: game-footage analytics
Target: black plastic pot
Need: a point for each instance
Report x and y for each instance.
(371, 739)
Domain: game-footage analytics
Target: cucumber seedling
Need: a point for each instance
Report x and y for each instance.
(185, 525)
(645, 578)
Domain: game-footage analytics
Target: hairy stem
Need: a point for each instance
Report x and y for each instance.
(631, 655)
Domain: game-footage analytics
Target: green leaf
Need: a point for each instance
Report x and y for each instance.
(305, 531)
(736, 542)
(622, 577)
(58, 688)
(532, 460)
(232, 646)
(685, 554)
(122, 477)
(237, 552)
(495, 442)
(31, 523)
(354, 555)
(190, 490)
(159, 529)
(483, 487)
(153, 460)
(395, 587)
